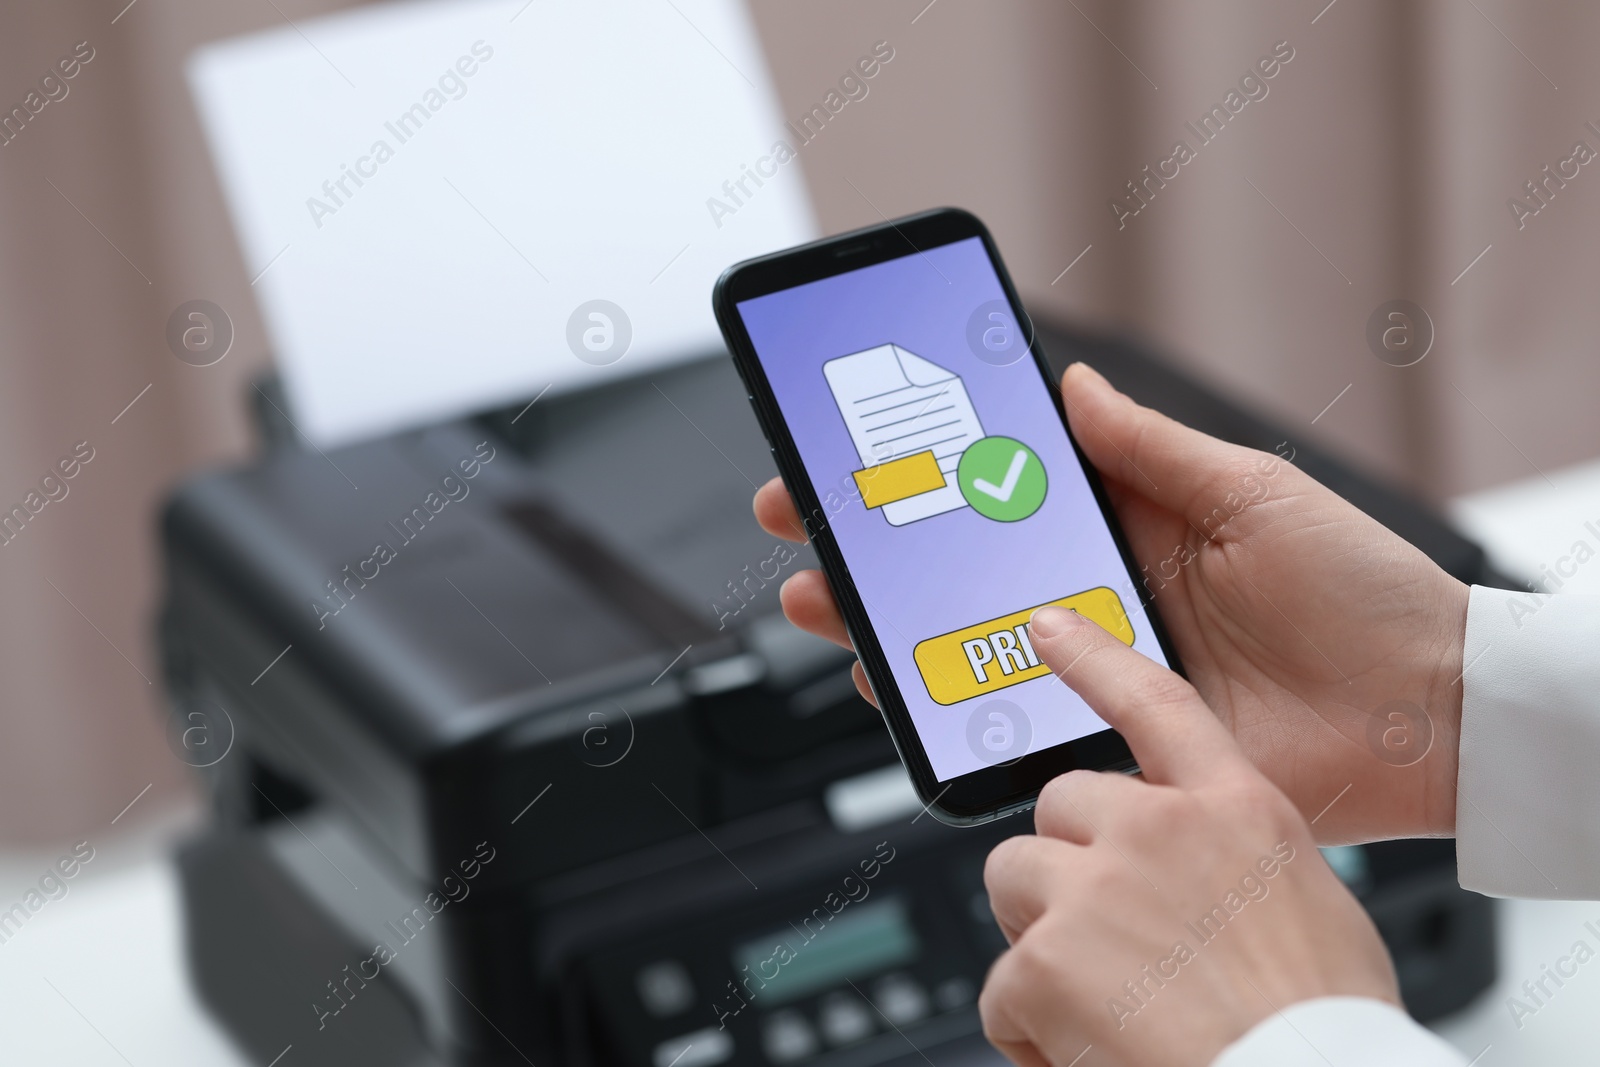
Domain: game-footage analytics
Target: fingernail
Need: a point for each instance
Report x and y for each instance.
(1051, 621)
(1088, 370)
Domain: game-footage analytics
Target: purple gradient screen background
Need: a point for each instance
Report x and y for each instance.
(959, 568)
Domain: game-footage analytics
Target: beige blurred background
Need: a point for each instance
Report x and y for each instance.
(1378, 166)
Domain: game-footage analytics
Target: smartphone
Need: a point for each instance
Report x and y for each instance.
(919, 430)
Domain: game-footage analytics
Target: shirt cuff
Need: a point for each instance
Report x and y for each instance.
(1341, 1032)
(1527, 791)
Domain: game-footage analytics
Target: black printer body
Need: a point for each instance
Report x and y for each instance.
(514, 759)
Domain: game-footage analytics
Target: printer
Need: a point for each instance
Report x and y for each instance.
(513, 758)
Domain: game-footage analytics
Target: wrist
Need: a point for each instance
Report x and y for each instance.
(1444, 685)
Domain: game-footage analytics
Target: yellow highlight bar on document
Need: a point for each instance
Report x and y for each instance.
(898, 479)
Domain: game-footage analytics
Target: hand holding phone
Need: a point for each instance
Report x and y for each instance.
(1328, 645)
(915, 423)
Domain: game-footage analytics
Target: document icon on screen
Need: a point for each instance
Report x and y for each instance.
(910, 421)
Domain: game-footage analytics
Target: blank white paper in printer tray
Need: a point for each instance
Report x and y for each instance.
(575, 164)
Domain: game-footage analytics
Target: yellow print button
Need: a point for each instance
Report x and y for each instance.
(982, 659)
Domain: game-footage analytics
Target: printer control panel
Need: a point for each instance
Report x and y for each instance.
(881, 961)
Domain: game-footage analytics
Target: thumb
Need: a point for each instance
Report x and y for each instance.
(1173, 734)
(1179, 468)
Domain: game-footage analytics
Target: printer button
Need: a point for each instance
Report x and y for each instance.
(787, 1036)
(953, 993)
(703, 1048)
(665, 988)
(844, 1019)
(901, 999)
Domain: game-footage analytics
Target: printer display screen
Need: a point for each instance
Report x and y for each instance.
(798, 960)
(942, 467)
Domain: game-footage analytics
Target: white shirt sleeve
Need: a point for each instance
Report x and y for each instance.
(1341, 1032)
(1527, 812)
(1528, 789)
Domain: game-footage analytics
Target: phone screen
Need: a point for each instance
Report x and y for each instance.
(953, 492)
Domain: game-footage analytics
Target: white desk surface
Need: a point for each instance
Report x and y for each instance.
(97, 977)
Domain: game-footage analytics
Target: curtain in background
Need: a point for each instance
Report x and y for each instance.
(1377, 162)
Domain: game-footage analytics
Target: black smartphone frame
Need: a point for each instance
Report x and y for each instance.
(992, 792)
